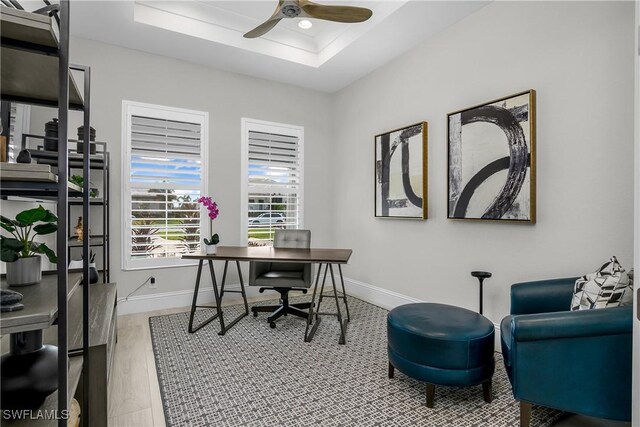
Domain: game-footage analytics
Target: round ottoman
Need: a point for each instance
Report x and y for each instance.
(441, 345)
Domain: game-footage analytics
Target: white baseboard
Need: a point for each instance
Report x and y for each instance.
(164, 300)
(389, 300)
(372, 294)
(143, 303)
(377, 296)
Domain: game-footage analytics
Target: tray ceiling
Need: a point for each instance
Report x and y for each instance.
(327, 57)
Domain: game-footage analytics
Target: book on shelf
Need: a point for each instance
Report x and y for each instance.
(26, 172)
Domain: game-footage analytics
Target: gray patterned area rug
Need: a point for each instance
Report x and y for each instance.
(258, 376)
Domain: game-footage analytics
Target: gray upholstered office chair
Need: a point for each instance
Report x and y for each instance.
(283, 277)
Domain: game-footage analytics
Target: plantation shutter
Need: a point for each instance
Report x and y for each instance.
(273, 184)
(18, 125)
(11, 153)
(166, 180)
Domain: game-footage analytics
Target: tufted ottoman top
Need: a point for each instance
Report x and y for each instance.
(440, 336)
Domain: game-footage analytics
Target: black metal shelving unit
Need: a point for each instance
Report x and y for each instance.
(36, 70)
(98, 162)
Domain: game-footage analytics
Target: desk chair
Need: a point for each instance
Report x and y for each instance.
(283, 277)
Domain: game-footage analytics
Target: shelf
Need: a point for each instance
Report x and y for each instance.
(96, 161)
(30, 64)
(27, 27)
(102, 299)
(40, 303)
(51, 403)
(96, 201)
(35, 188)
(93, 241)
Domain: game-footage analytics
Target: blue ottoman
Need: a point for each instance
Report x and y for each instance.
(441, 345)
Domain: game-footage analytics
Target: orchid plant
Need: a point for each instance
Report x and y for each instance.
(213, 212)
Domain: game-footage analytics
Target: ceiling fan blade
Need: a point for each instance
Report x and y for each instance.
(266, 26)
(348, 14)
(262, 29)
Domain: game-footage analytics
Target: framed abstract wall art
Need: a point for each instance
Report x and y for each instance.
(492, 160)
(401, 173)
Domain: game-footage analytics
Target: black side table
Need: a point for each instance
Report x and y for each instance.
(481, 275)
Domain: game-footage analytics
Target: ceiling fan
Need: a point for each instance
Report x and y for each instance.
(308, 9)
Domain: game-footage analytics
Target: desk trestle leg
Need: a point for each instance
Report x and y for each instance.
(194, 305)
(310, 331)
(344, 293)
(314, 311)
(343, 325)
(218, 298)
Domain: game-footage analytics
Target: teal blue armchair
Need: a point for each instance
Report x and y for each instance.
(574, 361)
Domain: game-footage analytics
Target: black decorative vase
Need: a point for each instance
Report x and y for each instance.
(93, 275)
(29, 371)
(92, 137)
(51, 135)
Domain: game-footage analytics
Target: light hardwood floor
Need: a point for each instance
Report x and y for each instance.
(134, 393)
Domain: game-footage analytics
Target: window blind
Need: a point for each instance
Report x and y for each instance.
(18, 125)
(273, 185)
(11, 150)
(165, 182)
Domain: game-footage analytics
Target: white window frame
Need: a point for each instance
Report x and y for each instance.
(267, 127)
(132, 108)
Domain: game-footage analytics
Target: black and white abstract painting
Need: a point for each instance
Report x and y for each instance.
(401, 173)
(492, 160)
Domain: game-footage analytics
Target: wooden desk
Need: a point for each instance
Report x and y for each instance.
(326, 257)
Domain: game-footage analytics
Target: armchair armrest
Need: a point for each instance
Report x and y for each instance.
(572, 324)
(542, 296)
(570, 360)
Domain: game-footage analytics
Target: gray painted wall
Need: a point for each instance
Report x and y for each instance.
(576, 55)
(119, 73)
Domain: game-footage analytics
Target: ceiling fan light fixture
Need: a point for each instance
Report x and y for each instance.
(288, 9)
(305, 24)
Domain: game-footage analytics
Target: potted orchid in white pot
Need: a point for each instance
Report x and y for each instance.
(211, 245)
(21, 252)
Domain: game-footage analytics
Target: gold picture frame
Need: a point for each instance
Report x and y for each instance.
(477, 157)
(400, 176)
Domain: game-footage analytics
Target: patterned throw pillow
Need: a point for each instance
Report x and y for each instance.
(609, 286)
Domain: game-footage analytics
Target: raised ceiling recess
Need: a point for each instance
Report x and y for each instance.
(327, 57)
(227, 22)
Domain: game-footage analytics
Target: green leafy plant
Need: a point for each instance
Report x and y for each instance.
(215, 239)
(79, 181)
(24, 229)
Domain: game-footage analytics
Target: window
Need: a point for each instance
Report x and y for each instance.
(19, 125)
(272, 172)
(164, 174)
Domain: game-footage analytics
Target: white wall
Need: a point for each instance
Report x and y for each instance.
(576, 56)
(119, 73)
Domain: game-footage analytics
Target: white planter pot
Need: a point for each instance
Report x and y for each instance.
(75, 264)
(211, 249)
(24, 271)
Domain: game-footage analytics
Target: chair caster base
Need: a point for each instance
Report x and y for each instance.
(272, 325)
